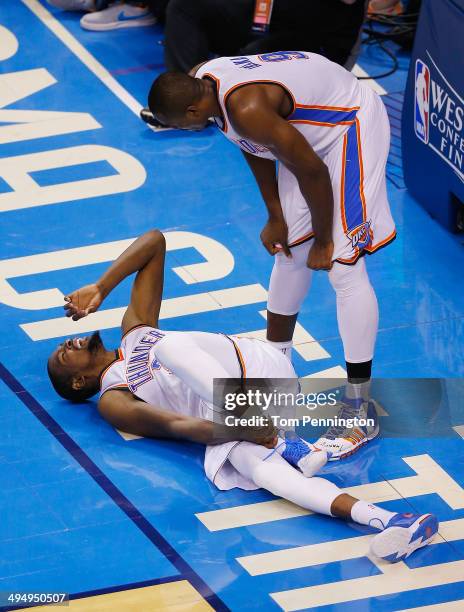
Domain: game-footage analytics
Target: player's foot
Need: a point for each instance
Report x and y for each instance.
(118, 16)
(341, 441)
(303, 455)
(404, 534)
(73, 5)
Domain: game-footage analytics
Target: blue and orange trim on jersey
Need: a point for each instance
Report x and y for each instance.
(302, 239)
(118, 357)
(243, 84)
(138, 326)
(353, 208)
(352, 199)
(325, 116)
(241, 360)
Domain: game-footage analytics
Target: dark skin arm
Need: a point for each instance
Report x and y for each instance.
(127, 413)
(257, 113)
(275, 231)
(144, 256)
(121, 408)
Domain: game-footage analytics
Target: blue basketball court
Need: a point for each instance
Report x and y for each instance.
(133, 524)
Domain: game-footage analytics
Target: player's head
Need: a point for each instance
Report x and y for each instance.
(74, 367)
(180, 101)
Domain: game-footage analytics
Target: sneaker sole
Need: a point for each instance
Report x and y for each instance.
(102, 27)
(369, 438)
(400, 538)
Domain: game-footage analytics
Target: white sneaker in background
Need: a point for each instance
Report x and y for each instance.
(118, 16)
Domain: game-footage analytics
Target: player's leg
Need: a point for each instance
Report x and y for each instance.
(289, 284)
(358, 316)
(358, 319)
(197, 358)
(362, 223)
(267, 469)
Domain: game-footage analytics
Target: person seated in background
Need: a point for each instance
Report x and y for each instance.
(104, 15)
(194, 31)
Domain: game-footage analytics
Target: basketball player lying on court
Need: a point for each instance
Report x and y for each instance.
(159, 384)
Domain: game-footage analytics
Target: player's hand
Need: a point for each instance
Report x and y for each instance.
(82, 302)
(320, 256)
(275, 237)
(265, 435)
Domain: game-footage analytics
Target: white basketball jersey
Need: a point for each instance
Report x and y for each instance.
(325, 96)
(137, 370)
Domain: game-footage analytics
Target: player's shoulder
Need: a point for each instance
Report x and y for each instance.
(193, 71)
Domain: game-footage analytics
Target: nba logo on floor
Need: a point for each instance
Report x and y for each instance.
(421, 106)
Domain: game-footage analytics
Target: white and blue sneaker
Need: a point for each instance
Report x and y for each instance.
(304, 456)
(341, 441)
(404, 534)
(118, 16)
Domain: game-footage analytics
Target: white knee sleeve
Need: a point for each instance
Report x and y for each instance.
(290, 281)
(357, 310)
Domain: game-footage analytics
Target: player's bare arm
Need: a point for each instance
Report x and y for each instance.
(127, 413)
(256, 113)
(275, 232)
(144, 256)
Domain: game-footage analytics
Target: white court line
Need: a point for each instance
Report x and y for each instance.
(102, 73)
(303, 342)
(330, 552)
(447, 606)
(372, 83)
(170, 308)
(331, 373)
(430, 478)
(83, 55)
(459, 429)
(397, 579)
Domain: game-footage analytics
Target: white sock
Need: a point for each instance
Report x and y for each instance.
(368, 514)
(283, 347)
(358, 390)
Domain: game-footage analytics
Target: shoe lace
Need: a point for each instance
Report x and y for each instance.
(295, 449)
(350, 409)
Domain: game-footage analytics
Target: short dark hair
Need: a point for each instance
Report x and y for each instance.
(172, 93)
(63, 386)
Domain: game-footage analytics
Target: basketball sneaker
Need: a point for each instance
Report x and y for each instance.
(341, 441)
(304, 456)
(118, 16)
(404, 534)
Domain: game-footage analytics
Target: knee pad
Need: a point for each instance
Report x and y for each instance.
(347, 280)
(290, 281)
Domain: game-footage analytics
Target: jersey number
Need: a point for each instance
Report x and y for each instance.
(282, 56)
